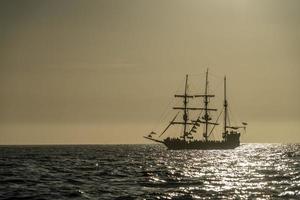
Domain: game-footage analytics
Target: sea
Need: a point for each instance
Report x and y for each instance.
(125, 172)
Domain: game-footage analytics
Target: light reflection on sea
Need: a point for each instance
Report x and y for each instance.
(266, 171)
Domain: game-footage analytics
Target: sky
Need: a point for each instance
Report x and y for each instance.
(104, 72)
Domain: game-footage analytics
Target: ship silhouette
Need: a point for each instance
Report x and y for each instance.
(230, 134)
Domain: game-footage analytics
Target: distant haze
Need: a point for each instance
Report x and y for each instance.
(105, 71)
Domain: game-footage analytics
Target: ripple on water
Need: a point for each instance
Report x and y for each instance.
(264, 171)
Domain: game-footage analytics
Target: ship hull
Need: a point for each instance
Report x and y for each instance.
(202, 145)
(230, 141)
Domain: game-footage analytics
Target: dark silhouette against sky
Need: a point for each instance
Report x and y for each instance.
(104, 71)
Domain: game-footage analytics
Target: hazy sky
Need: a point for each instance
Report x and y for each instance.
(105, 71)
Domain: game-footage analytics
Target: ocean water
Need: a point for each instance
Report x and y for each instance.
(252, 171)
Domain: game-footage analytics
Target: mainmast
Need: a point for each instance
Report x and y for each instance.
(206, 116)
(225, 109)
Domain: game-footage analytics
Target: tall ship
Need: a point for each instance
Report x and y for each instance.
(230, 135)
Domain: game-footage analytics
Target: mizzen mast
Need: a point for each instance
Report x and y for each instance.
(225, 110)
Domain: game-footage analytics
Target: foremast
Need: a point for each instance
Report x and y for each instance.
(185, 114)
(185, 109)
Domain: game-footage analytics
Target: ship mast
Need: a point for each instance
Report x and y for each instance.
(206, 116)
(185, 102)
(225, 109)
(185, 109)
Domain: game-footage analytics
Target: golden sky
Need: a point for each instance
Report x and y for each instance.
(104, 71)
